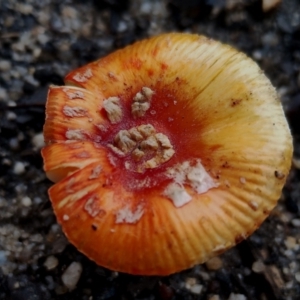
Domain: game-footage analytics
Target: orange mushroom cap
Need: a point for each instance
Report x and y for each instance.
(165, 153)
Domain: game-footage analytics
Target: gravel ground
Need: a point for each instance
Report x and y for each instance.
(42, 40)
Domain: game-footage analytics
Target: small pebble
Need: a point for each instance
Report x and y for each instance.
(6, 162)
(291, 242)
(204, 275)
(29, 79)
(37, 200)
(214, 263)
(196, 289)
(268, 5)
(26, 201)
(38, 140)
(258, 266)
(275, 274)
(11, 103)
(23, 8)
(51, 263)
(270, 39)
(122, 26)
(233, 296)
(5, 65)
(296, 160)
(257, 55)
(192, 285)
(69, 12)
(3, 258)
(289, 284)
(289, 253)
(50, 282)
(190, 281)
(293, 266)
(296, 222)
(297, 276)
(3, 94)
(286, 271)
(71, 275)
(14, 143)
(11, 116)
(19, 168)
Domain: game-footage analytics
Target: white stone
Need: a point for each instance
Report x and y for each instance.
(19, 168)
(71, 275)
(296, 222)
(193, 286)
(31, 80)
(291, 243)
(38, 140)
(5, 65)
(51, 263)
(14, 143)
(258, 266)
(25, 9)
(233, 296)
(257, 55)
(268, 5)
(11, 116)
(214, 263)
(26, 201)
(3, 258)
(37, 200)
(196, 289)
(69, 12)
(3, 94)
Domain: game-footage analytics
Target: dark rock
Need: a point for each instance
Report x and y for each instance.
(289, 19)
(5, 51)
(165, 292)
(291, 204)
(28, 88)
(186, 13)
(293, 113)
(188, 3)
(47, 76)
(106, 293)
(225, 282)
(21, 288)
(86, 50)
(3, 285)
(112, 4)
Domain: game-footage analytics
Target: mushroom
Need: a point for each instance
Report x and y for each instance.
(165, 153)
